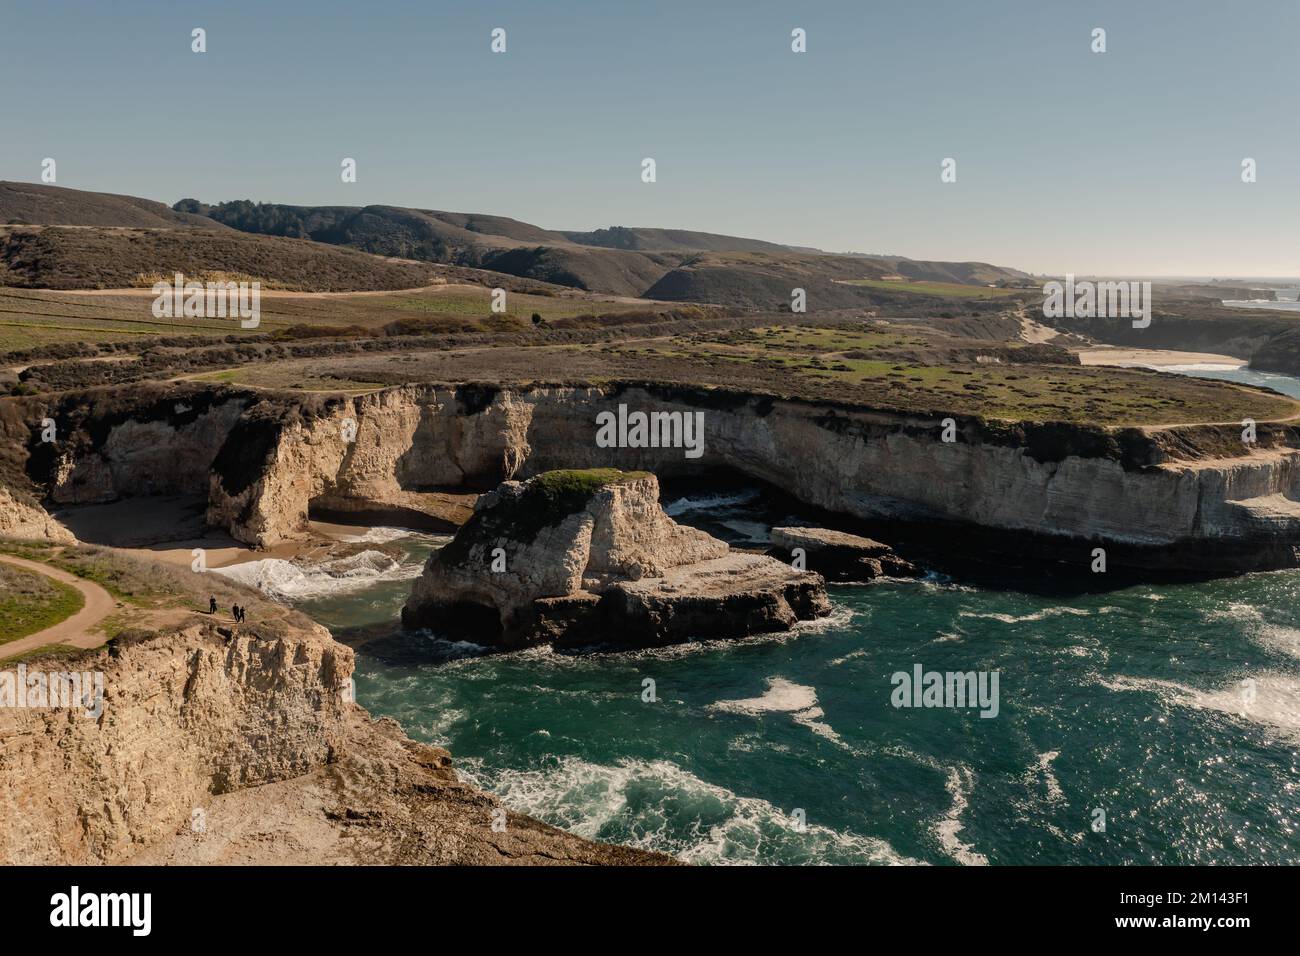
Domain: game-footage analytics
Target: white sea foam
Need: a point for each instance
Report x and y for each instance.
(784, 697)
(658, 805)
(851, 655)
(959, 783)
(290, 581)
(709, 502)
(1054, 792)
(1270, 699)
(839, 617)
(383, 535)
(1025, 618)
(1276, 637)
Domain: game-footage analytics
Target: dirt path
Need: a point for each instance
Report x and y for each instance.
(75, 630)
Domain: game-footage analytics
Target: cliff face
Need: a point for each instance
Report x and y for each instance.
(153, 447)
(583, 557)
(213, 749)
(1193, 488)
(182, 719)
(21, 520)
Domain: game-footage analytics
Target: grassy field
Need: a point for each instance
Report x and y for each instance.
(953, 290)
(306, 381)
(887, 366)
(31, 602)
(877, 369)
(37, 317)
(124, 580)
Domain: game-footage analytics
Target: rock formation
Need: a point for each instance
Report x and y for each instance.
(21, 520)
(220, 747)
(839, 556)
(1191, 497)
(580, 557)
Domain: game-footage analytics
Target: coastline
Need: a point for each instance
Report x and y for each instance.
(1155, 358)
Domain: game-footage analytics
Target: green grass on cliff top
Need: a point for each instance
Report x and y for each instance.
(31, 602)
(584, 481)
(546, 501)
(888, 369)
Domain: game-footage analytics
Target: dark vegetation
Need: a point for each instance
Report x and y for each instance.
(618, 260)
(65, 258)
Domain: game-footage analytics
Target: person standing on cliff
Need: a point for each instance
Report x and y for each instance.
(234, 612)
(212, 605)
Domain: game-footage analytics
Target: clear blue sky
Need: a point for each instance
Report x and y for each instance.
(1126, 162)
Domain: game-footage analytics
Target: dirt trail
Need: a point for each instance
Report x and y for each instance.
(75, 630)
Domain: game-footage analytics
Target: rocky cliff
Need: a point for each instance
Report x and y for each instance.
(22, 519)
(246, 748)
(1192, 496)
(579, 557)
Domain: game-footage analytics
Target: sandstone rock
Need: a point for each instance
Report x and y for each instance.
(590, 557)
(1176, 498)
(839, 556)
(29, 521)
(221, 748)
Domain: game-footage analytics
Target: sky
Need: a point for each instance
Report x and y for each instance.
(1126, 162)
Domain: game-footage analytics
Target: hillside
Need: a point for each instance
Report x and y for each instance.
(641, 239)
(39, 204)
(619, 260)
(120, 239)
(52, 257)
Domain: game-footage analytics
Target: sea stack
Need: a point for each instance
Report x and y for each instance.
(590, 557)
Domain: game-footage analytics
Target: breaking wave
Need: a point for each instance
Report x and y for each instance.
(709, 502)
(290, 581)
(658, 805)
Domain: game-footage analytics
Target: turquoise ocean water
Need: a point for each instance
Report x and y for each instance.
(1148, 724)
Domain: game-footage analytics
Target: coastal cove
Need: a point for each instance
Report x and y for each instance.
(1126, 701)
(1146, 715)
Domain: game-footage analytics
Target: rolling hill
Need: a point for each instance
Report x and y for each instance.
(299, 247)
(39, 204)
(53, 257)
(675, 264)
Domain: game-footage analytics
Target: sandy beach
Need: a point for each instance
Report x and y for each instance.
(1155, 358)
(170, 528)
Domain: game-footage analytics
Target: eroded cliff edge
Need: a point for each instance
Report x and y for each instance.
(220, 747)
(1191, 497)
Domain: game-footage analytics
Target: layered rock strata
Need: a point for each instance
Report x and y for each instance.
(582, 557)
(213, 747)
(1190, 497)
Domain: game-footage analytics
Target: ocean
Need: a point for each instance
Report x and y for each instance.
(1287, 301)
(1150, 724)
